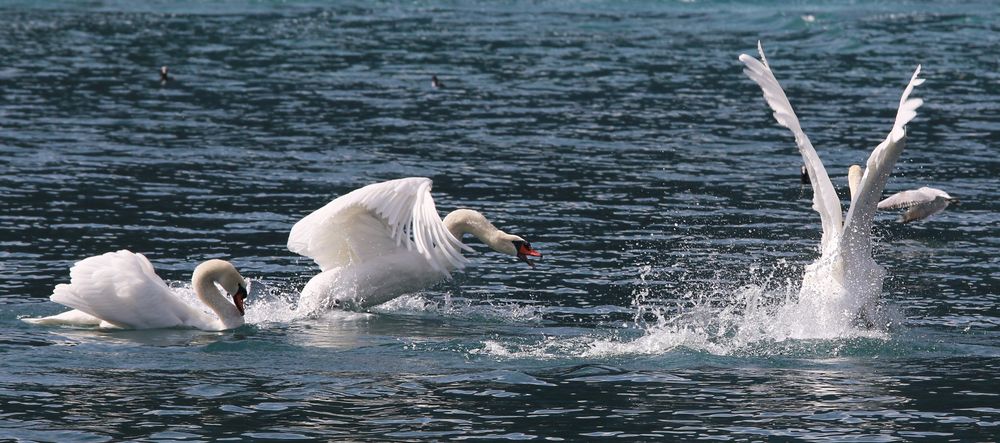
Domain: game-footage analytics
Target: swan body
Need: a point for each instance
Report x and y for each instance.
(387, 239)
(845, 281)
(121, 290)
(919, 203)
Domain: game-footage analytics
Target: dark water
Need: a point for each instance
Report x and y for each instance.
(621, 140)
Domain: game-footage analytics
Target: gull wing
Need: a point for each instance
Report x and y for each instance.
(377, 220)
(910, 198)
(857, 226)
(825, 200)
(923, 210)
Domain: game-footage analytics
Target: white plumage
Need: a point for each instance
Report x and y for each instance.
(121, 290)
(375, 221)
(386, 239)
(825, 199)
(858, 223)
(846, 260)
(919, 203)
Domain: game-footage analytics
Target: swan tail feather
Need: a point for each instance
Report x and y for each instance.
(73, 317)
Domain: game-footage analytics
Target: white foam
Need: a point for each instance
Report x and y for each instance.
(270, 303)
(721, 318)
(448, 306)
(769, 317)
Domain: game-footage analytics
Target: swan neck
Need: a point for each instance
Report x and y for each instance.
(203, 281)
(854, 180)
(467, 221)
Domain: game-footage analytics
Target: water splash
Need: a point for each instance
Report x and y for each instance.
(772, 314)
(457, 307)
(268, 302)
(769, 316)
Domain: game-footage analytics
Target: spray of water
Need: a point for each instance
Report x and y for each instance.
(723, 315)
(769, 315)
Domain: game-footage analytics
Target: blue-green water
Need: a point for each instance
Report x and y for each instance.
(621, 139)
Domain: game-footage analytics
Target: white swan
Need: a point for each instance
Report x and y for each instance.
(845, 280)
(121, 290)
(386, 239)
(921, 203)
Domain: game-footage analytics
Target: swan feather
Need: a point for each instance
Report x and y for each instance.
(122, 289)
(857, 225)
(376, 220)
(825, 200)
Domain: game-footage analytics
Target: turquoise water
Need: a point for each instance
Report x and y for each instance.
(622, 140)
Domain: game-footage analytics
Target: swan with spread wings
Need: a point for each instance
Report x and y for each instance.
(845, 278)
(387, 239)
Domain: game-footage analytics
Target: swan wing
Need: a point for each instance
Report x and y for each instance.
(122, 289)
(378, 220)
(857, 226)
(825, 199)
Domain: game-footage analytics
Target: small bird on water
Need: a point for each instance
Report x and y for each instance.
(164, 77)
(435, 83)
(804, 175)
(919, 203)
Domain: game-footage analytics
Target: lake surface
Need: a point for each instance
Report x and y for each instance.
(623, 141)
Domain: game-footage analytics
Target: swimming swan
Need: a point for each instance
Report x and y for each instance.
(921, 203)
(121, 290)
(845, 280)
(387, 239)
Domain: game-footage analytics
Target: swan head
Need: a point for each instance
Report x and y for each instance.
(518, 247)
(226, 275)
(467, 221)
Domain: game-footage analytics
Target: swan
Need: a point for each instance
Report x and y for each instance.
(921, 203)
(121, 290)
(845, 281)
(387, 239)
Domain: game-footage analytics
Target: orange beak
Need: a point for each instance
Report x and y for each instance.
(524, 251)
